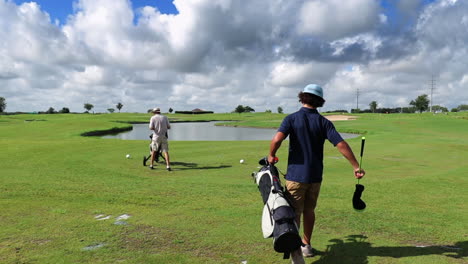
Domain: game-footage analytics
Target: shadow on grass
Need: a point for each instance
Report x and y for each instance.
(194, 166)
(355, 250)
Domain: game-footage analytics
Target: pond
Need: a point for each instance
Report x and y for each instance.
(204, 131)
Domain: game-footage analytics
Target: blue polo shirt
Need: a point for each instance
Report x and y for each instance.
(307, 131)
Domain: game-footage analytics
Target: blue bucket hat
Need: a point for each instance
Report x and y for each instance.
(314, 89)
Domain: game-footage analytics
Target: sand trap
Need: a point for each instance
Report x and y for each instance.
(339, 117)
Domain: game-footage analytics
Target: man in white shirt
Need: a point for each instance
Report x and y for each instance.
(159, 124)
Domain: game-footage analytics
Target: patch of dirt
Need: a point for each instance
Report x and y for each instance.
(159, 240)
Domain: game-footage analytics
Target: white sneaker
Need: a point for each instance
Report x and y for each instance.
(296, 257)
(307, 251)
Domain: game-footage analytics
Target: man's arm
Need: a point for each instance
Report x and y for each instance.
(275, 144)
(345, 149)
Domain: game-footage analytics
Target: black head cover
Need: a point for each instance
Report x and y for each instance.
(263, 161)
(358, 204)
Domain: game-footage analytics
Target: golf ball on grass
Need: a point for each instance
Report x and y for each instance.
(128, 156)
(241, 161)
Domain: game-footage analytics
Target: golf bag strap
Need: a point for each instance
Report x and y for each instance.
(284, 175)
(286, 255)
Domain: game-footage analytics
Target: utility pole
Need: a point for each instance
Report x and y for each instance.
(357, 99)
(433, 86)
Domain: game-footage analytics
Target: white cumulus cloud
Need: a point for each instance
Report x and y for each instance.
(217, 54)
(334, 19)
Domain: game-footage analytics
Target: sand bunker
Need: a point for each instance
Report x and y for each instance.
(340, 117)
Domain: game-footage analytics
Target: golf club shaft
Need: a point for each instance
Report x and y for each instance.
(363, 141)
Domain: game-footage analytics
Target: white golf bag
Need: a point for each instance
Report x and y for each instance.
(278, 218)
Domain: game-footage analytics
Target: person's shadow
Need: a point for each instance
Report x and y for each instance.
(355, 250)
(194, 166)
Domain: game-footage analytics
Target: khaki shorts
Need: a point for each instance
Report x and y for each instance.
(160, 142)
(304, 196)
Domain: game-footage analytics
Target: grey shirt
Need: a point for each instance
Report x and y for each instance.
(159, 124)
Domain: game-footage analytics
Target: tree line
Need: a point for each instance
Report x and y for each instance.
(65, 110)
(247, 109)
(87, 106)
(420, 104)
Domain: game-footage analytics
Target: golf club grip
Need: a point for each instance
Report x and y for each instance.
(362, 146)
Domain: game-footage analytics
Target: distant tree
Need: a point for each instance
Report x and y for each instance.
(64, 110)
(239, 109)
(438, 108)
(111, 110)
(408, 109)
(462, 107)
(248, 109)
(454, 110)
(171, 110)
(2, 104)
(355, 111)
(280, 110)
(373, 106)
(243, 109)
(51, 110)
(268, 111)
(337, 111)
(119, 106)
(88, 107)
(421, 103)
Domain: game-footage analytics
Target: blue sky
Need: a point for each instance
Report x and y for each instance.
(60, 9)
(217, 54)
(391, 10)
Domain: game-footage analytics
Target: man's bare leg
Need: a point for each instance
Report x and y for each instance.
(168, 163)
(309, 222)
(153, 153)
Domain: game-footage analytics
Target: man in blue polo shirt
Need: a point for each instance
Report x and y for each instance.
(307, 131)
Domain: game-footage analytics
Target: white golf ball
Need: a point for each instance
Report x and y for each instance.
(128, 156)
(241, 161)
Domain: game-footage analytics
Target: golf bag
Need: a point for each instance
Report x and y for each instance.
(278, 218)
(157, 154)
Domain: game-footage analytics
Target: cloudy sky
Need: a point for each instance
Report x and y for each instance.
(217, 54)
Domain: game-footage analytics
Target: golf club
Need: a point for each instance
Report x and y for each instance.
(363, 141)
(359, 204)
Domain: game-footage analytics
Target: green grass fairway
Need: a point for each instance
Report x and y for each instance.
(61, 193)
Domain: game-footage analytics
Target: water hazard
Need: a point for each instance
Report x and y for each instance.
(204, 131)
